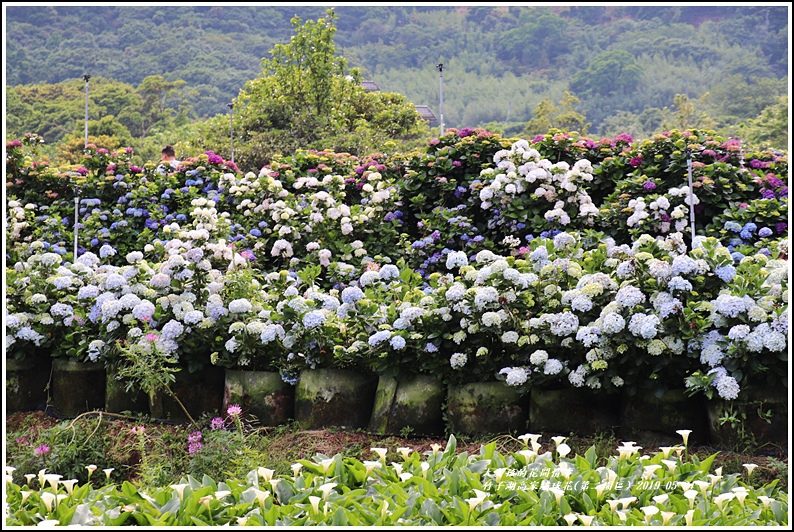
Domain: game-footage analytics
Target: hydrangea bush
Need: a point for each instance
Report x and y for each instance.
(562, 261)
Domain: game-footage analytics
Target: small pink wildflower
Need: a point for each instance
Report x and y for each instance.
(42, 449)
(234, 410)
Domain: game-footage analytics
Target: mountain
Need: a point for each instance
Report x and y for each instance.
(626, 64)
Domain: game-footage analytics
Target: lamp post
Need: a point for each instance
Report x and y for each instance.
(691, 195)
(76, 218)
(231, 126)
(86, 77)
(440, 68)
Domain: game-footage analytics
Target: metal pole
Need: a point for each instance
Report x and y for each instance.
(76, 218)
(86, 77)
(441, 95)
(691, 194)
(231, 126)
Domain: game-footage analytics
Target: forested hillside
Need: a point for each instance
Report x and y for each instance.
(633, 69)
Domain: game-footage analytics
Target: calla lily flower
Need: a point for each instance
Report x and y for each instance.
(69, 484)
(684, 434)
(702, 486)
(671, 465)
(649, 470)
(265, 473)
(381, 452)
(722, 498)
(691, 495)
(625, 501)
(477, 499)
(315, 502)
(260, 495)
(661, 498)
(563, 449)
(48, 499)
(53, 480)
(565, 470)
(405, 452)
(325, 489)
(526, 437)
(649, 512)
(326, 464)
(765, 500)
(741, 494)
(371, 464)
(180, 489)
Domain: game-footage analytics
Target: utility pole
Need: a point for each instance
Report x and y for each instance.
(231, 126)
(440, 68)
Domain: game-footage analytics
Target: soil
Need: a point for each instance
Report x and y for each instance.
(329, 442)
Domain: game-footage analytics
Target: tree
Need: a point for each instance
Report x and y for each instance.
(770, 128)
(685, 114)
(538, 40)
(569, 118)
(565, 117)
(613, 72)
(156, 93)
(306, 97)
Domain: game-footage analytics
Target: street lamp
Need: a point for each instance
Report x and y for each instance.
(691, 195)
(231, 126)
(440, 68)
(86, 77)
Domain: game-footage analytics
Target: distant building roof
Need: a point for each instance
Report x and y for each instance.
(370, 85)
(426, 113)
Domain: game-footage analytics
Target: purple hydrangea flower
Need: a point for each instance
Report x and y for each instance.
(648, 185)
(635, 161)
(624, 137)
(774, 182)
